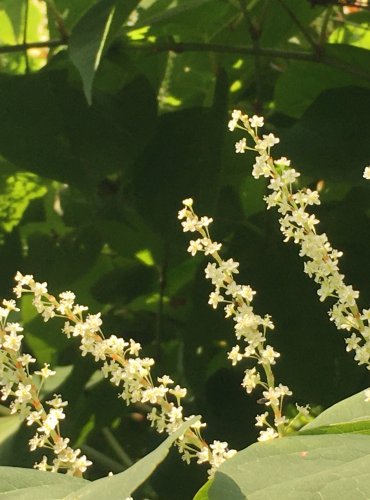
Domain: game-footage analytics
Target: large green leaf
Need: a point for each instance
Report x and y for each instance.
(350, 415)
(182, 160)
(28, 484)
(16, 192)
(70, 141)
(277, 23)
(302, 82)
(91, 35)
(198, 19)
(8, 426)
(307, 467)
(337, 117)
(204, 491)
(122, 485)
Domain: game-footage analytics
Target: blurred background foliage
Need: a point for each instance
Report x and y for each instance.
(111, 113)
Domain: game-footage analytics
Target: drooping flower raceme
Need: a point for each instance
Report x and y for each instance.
(125, 369)
(298, 224)
(23, 388)
(250, 328)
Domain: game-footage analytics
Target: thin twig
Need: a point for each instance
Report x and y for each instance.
(179, 47)
(21, 47)
(63, 31)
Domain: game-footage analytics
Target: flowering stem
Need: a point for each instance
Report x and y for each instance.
(124, 367)
(249, 326)
(321, 260)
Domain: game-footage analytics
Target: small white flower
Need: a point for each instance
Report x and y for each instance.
(23, 393)
(256, 121)
(45, 372)
(366, 173)
(268, 434)
(251, 379)
(214, 299)
(352, 342)
(203, 455)
(303, 410)
(235, 115)
(195, 246)
(212, 247)
(261, 419)
(241, 146)
(12, 341)
(188, 202)
(234, 355)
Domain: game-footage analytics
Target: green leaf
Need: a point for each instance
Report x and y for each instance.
(362, 427)
(202, 494)
(350, 415)
(71, 11)
(298, 467)
(123, 484)
(8, 426)
(302, 82)
(183, 160)
(16, 192)
(276, 22)
(326, 125)
(13, 12)
(125, 283)
(199, 19)
(88, 40)
(91, 36)
(71, 141)
(28, 484)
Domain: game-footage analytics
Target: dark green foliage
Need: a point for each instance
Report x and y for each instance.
(103, 143)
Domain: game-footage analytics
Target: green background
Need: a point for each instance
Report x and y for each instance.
(102, 136)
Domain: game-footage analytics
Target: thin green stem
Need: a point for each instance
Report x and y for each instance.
(25, 29)
(324, 26)
(124, 458)
(99, 457)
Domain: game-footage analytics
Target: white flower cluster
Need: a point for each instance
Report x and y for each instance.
(250, 328)
(321, 260)
(125, 369)
(17, 383)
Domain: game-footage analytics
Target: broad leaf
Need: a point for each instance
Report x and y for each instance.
(123, 484)
(204, 491)
(304, 467)
(8, 426)
(79, 144)
(92, 34)
(350, 415)
(302, 82)
(28, 484)
(313, 142)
